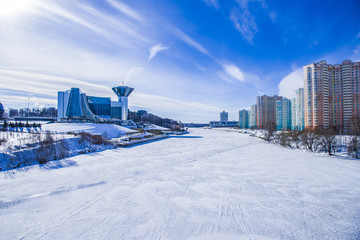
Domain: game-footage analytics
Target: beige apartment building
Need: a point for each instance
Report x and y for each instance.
(331, 95)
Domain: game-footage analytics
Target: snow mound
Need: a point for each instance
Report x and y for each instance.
(110, 130)
(156, 127)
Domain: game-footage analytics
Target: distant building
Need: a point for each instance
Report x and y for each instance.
(243, 119)
(266, 111)
(283, 114)
(224, 124)
(75, 105)
(224, 116)
(297, 111)
(331, 95)
(252, 116)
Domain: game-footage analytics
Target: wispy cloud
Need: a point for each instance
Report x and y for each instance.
(155, 50)
(171, 105)
(273, 16)
(231, 72)
(212, 3)
(188, 40)
(125, 9)
(131, 72)
(244, 21)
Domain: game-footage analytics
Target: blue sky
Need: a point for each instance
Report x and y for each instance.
(187, 59)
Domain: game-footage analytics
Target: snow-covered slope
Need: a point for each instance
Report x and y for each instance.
(205, 185)
(110, 130)
(156, 127)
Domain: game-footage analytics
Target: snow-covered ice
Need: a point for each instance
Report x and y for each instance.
(110, 130)
(204, 185)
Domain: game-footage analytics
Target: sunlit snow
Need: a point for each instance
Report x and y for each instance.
(208, 184)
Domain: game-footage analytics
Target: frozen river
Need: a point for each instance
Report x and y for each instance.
(209, 184)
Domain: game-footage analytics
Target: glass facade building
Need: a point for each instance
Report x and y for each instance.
(75, 105)
(283, 114)
(243, 119)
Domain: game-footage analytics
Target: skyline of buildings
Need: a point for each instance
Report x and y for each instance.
(329, 100)
(331, 94)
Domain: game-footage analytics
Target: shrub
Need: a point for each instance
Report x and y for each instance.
(46, 151)
(3, 141)
(270, 129)
(285, 139)
(328, 141)
(310, 140)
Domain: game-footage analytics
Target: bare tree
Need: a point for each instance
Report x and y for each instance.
(270, 129)
(46, 151)
(310, 140)
(284, 139)
(295, 138)
(328, 141)
(353, 148)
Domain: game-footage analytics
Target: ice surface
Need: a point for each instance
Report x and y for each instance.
(204, 185)
(110, 130)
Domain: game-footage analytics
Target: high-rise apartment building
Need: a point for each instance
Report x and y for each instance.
(331, 94)
(252, 116)
(266, 111)
(224, 116)
(297, 111)
(243, 119)
(283, 114)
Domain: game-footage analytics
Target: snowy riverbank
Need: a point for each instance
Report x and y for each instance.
(203, 185)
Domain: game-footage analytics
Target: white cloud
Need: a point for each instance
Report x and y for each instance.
(166, 104)
(155, 50)
(125, 9)
(188, 40)
(231, 72)
(212, 3)
(244, 21)
(131, 72)
(290, 83)
(273, 16)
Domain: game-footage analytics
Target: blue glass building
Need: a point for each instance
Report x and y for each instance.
(75, 105)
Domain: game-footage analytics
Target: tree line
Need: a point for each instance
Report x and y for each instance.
(318, 139)
(145, 117)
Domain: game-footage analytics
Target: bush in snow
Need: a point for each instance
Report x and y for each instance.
(270, 129)
(354, 144)
(284, 139)
(310, 140)
(328, 141)
(46, 151)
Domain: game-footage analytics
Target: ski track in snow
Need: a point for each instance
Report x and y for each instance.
(224, 185)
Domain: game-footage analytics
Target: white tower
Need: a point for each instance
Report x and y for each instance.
(123, 92)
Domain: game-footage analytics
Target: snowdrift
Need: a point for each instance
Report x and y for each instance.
(109, 130)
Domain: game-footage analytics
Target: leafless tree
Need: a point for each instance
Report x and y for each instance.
(270, 129)
(353, 148)
(328, 141)
(310, 140)
(46, 150)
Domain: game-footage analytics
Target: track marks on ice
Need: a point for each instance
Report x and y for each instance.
(7, 204)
